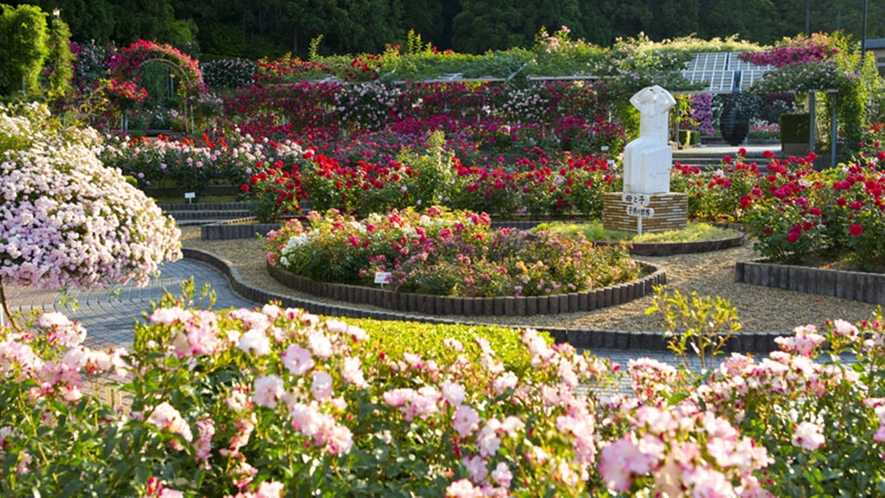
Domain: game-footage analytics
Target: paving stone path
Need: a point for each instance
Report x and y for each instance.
(109, 317)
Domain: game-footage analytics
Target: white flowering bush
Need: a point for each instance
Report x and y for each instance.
(367, 105)
(194, 164)
(67, 221)
(228, 74)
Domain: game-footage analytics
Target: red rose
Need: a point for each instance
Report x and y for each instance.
(855, 230)
(792, 237)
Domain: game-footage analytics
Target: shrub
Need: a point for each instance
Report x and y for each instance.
(70, 221)
(271, 401)
(25, 38)
(228, 74)
(717, 195)
(445, 253)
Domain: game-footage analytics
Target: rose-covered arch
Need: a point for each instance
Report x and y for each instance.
(128, 64)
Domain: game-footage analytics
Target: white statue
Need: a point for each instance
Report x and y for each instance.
(648, 159)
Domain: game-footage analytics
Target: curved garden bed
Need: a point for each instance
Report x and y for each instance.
(672, 248)
(477, 306)
(854, 285)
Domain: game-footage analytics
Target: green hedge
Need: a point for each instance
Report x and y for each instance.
(794, 128)
(689, 138)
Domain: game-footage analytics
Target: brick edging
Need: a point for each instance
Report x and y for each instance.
(853, 285)
(759, 343)
(476, 306)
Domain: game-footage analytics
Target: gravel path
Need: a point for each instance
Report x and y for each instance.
(760, 309)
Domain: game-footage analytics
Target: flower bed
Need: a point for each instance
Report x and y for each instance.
(273, 401)
(445, 254)
(798, 214)
(424, 304)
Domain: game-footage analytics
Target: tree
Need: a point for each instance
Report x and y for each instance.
(488, 25)
(553, 14)
(755, 20)
(426, 18)
(24, 34)
(60, 61)
(87, 19)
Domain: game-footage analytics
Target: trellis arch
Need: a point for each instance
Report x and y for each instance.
(188, 107)
(129, 61)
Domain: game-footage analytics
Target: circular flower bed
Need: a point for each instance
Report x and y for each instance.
(445, 253)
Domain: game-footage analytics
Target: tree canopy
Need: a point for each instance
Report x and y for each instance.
(257, 28)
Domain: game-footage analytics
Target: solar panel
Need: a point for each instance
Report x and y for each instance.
(708, 61)
(750, 76)
(714, 81)
(717, 70)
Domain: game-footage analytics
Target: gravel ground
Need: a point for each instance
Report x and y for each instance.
(760, 309)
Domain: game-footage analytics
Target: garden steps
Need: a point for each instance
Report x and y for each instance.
(203, 213)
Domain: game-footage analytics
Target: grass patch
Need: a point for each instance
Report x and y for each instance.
(593, 230)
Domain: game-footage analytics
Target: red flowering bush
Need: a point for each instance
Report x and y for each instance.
(122, 95)
(719, 195)
(797, 213)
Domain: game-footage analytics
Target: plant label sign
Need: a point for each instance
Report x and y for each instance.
(636, 199)
(383, 277)
(638, 210)
(190, 196)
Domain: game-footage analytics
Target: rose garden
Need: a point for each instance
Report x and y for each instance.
(466, 185)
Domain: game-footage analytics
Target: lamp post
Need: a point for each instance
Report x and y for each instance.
(56, 13)
(863, 34)
(807, 17)
(811, 99)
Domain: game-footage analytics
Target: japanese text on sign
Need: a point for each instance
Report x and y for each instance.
(642, 212)
(636, 199)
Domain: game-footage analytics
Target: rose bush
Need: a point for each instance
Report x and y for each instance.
(68, 221)
(445, 253)
(195, 164)
(275, 402)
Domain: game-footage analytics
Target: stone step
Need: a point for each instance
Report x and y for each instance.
(210, 214)
(204, 206)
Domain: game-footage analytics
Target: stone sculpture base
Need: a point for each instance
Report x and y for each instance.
(671, 213)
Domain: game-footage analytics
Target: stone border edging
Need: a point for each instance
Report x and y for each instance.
(674, 248)
(476, 306)
(853, 285)
(240, 228)
(759, 343)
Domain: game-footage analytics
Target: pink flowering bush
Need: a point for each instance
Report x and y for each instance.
(792, 51)
(68, 221)
(127, 64)
(445, 253)
(274, 402)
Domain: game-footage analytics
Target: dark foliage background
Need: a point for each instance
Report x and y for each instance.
(258, 28)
